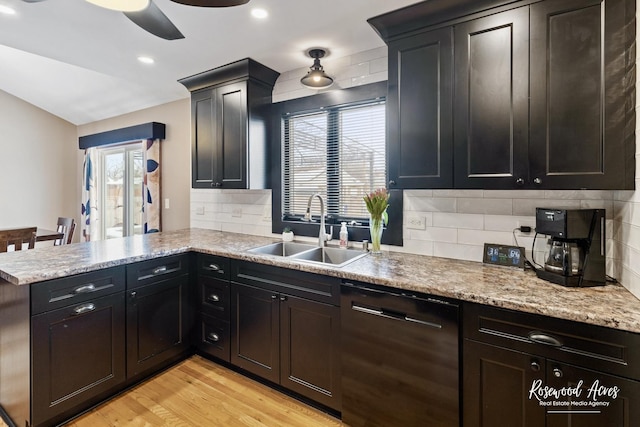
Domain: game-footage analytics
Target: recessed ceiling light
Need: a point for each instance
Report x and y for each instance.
(146, 59)
(6, 10)
(259, 13)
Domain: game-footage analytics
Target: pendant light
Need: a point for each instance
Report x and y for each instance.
(316, 78)
(122, 5)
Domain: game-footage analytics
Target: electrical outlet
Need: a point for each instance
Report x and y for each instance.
(416, 222)
(236, 212)
(266, 214)
(199, 210)
(167, 204)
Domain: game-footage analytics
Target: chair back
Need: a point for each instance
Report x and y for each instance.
(66, 226)
(17, 237)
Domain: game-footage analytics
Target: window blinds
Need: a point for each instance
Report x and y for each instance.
(337, 152)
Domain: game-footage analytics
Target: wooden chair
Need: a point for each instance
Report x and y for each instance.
(66, 226)
(17, 237)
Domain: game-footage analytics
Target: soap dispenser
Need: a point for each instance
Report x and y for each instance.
(344, 236)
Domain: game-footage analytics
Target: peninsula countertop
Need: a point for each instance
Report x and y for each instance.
(611, 306)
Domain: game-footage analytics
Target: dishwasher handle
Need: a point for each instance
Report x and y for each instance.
(388, 314)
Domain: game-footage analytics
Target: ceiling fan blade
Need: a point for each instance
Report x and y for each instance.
(211, 3)
(154, 21)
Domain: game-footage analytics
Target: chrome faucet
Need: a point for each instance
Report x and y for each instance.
(322, 235)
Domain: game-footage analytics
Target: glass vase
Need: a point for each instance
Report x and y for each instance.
(375, 230)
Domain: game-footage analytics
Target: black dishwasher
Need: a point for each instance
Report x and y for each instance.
(399, 358)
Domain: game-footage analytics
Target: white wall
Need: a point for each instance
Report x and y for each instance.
(175, 155)
(37, 166)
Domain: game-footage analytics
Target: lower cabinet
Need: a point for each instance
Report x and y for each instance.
(78, 354)
(286, 338)
(527, 370)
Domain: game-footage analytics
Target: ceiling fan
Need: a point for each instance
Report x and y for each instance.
(150, 18)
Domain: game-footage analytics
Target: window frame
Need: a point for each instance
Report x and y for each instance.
(331, 99)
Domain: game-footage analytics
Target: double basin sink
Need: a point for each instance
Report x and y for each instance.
(335, 257)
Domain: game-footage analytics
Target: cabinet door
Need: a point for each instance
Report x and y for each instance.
(204, 153)
(255, 331)
(309, 349)
(595, 387)
(496, 387)
(491, 110)
(578, 96)
(231, 135)
(78, 355)
(157, 324)
(419, 111)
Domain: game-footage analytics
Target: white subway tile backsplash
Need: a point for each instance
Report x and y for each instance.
(434, 234)
(458, 193)
(480, 237)
(455, 220)
(378, 65)
(525, 207)
(507, 222)
(455, 251)
(514, 194)
(371, 55)
(429, 204)
(485, 206)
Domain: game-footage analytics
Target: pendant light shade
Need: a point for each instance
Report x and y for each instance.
(122, 5)
(316, 78)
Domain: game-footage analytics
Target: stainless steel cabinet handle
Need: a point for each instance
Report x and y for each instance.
(542, 338)
(213, 298)
(85, 308)
(520, 182)
(394, 316)
(283, 298)
(216, 267)
(392, 183)
(90, 287)
(537, 181)
(535, 366)
(274, 296)
(557, 372)
(213, 337)
(161, 269)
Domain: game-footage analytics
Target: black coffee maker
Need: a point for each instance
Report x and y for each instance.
(575, 253)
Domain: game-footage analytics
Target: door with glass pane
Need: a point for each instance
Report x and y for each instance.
(122, 186)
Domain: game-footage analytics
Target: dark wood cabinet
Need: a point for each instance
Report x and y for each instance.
(419, 111)
(213, 305)
(229, 116)
(285, 328)
(491, 116)
(515, 363)
(77, 345)
(542, 94)
(579, 88)
(78, 355)
(158, 316)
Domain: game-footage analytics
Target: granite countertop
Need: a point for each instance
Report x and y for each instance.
(610, 306)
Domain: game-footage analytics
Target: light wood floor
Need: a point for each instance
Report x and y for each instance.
(197, 392)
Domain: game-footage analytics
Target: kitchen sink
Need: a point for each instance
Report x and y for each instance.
(282, 249)
(334, 256)
(310, 253)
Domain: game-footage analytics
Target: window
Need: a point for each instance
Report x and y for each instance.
(121, 179)
(338, 152)
(332, 143)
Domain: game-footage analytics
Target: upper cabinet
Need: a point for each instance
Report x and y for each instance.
(229, 125)
(508, 95)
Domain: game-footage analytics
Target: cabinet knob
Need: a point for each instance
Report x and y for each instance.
(274, 296)
(214, 298)
(283, 298)
(392, 183)
(213, 337)
(519, 182)
(537, 181)
(557, 372)
(133, 294)
(535, 366)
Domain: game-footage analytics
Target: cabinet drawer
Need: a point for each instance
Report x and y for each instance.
(213, 337)
(214, 266)
(596, 347)
(315, 287)
(146, 272)
(214, 297)
(53, 294)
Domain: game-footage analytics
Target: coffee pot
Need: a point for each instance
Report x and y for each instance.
(564, 257)
(575, 253)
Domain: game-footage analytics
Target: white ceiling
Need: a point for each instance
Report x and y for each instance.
(78, 61)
